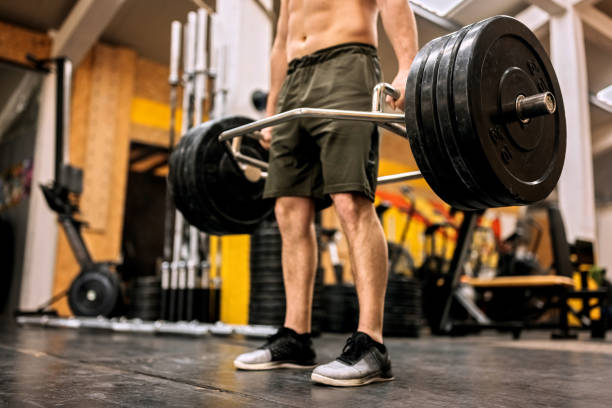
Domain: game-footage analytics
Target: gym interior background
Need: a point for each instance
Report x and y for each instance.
(527, 308)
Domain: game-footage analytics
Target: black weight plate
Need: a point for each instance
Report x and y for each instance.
(269, 250)
(499, 59)
(94, 293)
(268, 296)
(195, 197)
(413, 115)
(469, 192)
(266, 280)
(274, 240)
(265, 257)
(234, 200)
(256, 286)
(182, 188)
(175, 177)
(432, 138)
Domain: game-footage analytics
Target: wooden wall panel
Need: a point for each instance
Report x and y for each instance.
(100, 134)
(16, 42)
(152, 81)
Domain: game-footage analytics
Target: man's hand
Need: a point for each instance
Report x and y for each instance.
(399, 83)
(266, 140)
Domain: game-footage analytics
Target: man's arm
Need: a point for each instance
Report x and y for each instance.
(278, 67)
(400, 26)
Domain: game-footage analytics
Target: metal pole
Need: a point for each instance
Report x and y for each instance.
(173, 81)
(188, 114)
(200, 94)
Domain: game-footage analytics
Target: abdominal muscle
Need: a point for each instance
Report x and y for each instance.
(318, 24)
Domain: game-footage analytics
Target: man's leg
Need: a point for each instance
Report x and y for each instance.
(364, 359)
(295, 216)
(291, 346)
(368, 251)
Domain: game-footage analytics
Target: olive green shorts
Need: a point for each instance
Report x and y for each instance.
(316, 157)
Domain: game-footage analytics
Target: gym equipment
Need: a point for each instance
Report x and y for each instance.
(400, 258)
(516, 256)
(170, 218)
(402, 316)
(267, 294)
(484, 116)
(259, 99)
(145, 298)
(96, 290)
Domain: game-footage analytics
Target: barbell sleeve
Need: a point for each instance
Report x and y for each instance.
(338, 114)
(528, 107)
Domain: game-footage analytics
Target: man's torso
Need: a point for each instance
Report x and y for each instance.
(318, 24)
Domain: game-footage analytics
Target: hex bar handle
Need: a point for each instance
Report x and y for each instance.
(338, 114)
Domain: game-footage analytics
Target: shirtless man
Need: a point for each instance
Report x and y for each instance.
(324, 56)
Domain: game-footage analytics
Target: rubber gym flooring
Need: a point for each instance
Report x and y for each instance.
(42, 367)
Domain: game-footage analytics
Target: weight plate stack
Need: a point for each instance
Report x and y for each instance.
(207, 185)
(468, 141)
(341, 308)
(267, 291)
(145, 298)
(267, 295)
(402, 307)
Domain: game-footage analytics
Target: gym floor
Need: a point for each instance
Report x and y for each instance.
(44, 366)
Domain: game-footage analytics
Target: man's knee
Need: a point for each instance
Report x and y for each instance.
(294, 213)
(352, 207)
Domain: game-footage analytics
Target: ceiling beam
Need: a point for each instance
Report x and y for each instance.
(597, 20)
(582, 3)
(82, 28)
(552, 7)
(535, 18)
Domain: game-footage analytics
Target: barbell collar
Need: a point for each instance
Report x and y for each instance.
(338, 114)
(528, 107)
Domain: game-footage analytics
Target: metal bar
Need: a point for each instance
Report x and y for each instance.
(380, 90)
(395, 128)
(338, 114)
(59, 116)
(464, 240)
(395, 178)
(241, 158)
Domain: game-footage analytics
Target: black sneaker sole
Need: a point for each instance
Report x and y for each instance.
(272, 365)
(353, 382)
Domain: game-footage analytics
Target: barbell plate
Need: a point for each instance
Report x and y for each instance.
(234, 200)
(413, 118)
(209, 189)
(471, 194)
(498, 60)
(196, 200)
(454, 189)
